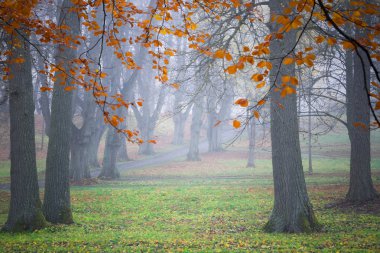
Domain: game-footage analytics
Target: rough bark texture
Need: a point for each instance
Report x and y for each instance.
(358, 121)
(252, 142)
(196, 125)
(57, 207)
(25, 206)
(292, 211)
(79, 162)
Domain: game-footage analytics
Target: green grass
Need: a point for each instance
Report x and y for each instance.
(197, 213)
(217, 205)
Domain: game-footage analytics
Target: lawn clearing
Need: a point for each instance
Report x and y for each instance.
(187, 206)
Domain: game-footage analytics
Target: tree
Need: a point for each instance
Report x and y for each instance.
(25, 206)
(358, 121)
(57, 207)
(292, 211)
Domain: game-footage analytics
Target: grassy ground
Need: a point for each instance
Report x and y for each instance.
(216, 205)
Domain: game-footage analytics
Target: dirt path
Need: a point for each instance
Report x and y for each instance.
(159, 159)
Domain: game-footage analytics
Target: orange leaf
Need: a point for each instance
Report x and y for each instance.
(261, 102)
(257, 77)
(377, 106)
(256, 114)
(219, 54)
(260, 85)
(236, 123)
(288, 61)
(44, 88)
(231, 69)
(70, 88)
(242, 102)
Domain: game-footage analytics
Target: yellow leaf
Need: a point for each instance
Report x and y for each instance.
(157, 17)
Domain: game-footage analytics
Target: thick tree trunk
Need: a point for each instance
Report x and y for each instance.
(196, 125)
(25, 206)
(57, 207)
(123, 152)
(292, 211)
(358, 121)
(79, 163)
(252, 142)
(113, 143)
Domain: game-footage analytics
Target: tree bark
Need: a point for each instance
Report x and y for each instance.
(113, 143)
(196, 125)
(25, 205)
(358, 120)
(57, 207)
(292, 211)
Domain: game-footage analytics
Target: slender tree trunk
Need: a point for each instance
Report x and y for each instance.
(196, 125)
(95, 141)
(113, 143)
(57, 207)
(25, 206)
(252, 142)
(309, 132)
(358, 121)
(292, 211)
(44, 100)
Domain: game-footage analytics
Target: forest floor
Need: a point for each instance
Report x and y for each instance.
(216, 205)
(213, 205)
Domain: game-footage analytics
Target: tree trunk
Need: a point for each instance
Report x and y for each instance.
(252, 142)
(292, 211)
(179, 128)
(309, 131)
(57, 207)
(358, 121)
(113, 143)
(79, 163)
(196, 125)
(25, 205)
(95, 141)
